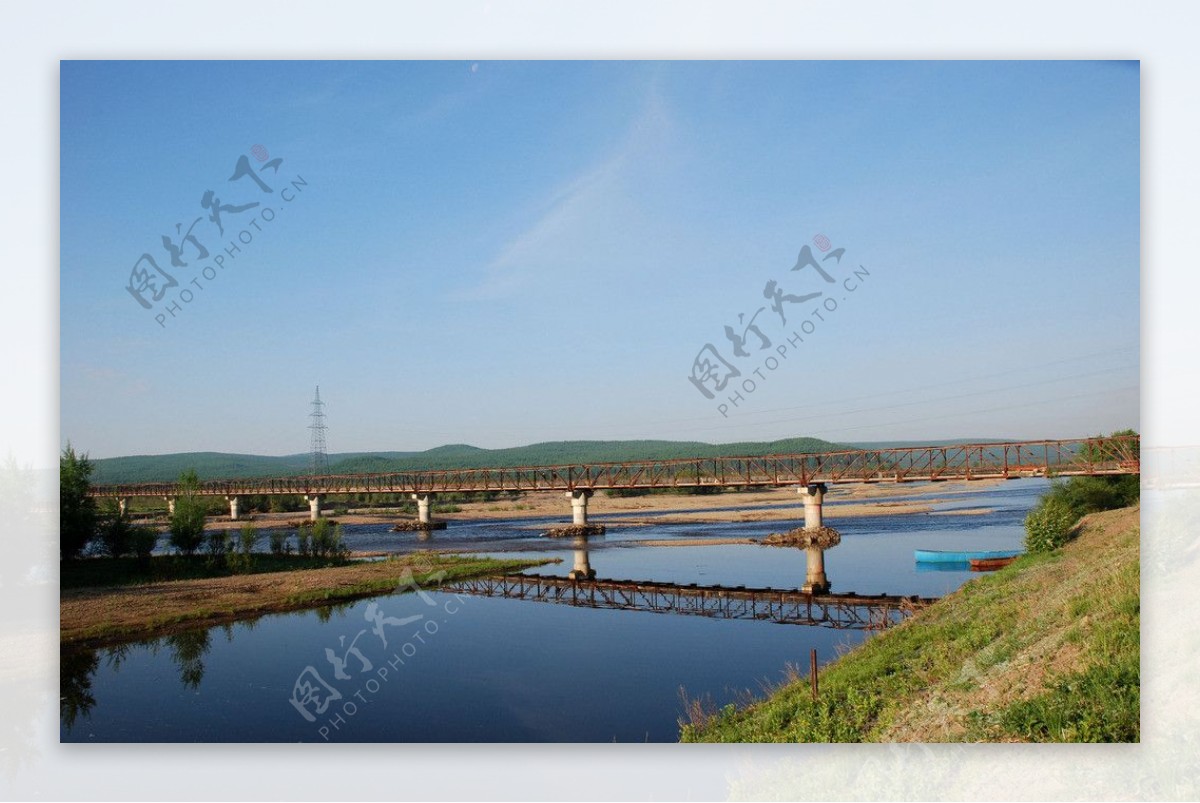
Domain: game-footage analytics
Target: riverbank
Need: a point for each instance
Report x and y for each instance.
(1044, 650)
(99, 616)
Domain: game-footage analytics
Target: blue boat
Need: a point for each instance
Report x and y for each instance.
(939, 556)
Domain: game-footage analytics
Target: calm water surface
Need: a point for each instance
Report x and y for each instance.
(487, 669)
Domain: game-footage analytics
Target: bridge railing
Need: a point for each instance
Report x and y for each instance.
(1110, 455)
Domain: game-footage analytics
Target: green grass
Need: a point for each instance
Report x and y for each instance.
(1057, 635)
(109, 572)
(1098, 704)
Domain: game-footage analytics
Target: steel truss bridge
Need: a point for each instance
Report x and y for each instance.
(794, 607)
(978, 461)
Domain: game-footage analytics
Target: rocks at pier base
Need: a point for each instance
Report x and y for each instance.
(575, 530)
(581, 574)
(821, 538)
(296, 524)
(417, 526)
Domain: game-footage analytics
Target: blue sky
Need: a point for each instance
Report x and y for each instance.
(500, 253)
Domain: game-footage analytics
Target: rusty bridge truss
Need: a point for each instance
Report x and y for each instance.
(838, 611)
(1090, 456)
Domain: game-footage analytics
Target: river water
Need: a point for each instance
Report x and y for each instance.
(460, 668)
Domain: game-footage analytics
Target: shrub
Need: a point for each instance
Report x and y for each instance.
(240, 559)
(187, 523)
(115, 535)
(1049, 525)
(327, 540)
(303, 542)
(1092, 494)
(142, 543)
(247, 538)
(278, 542)
(217, 544)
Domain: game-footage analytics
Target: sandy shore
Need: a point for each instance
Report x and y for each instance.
(870, 499)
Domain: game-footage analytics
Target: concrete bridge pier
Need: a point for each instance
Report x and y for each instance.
(579, 503)
(170, 505)
(314, 506)
(234, 503)
(583, 568)
(813, 495)
(123, 504)
(424, 501)
(815, 581)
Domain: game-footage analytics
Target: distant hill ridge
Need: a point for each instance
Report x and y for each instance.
(220, 465)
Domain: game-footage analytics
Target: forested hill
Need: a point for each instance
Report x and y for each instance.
(216, 465)
(208, 465)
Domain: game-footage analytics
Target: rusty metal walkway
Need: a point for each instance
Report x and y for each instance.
(1085, 456)
(838, 611)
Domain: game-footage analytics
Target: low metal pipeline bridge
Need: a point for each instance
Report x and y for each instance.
(1008, 460)
(838, 611)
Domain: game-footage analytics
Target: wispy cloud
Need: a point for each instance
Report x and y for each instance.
(571, 218)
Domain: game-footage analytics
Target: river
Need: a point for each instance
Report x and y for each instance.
(460, 668)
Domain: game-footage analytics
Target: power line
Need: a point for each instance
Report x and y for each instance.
(827, 403)
(988, 410)
(947, 383)
(881, 408)
(987, 392)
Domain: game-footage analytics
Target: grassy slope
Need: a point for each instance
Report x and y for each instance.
(1044, 650)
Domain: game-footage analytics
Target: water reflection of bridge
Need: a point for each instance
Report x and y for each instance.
(839, 611)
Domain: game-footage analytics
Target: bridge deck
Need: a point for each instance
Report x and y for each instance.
(839, 611)
(1087, 456)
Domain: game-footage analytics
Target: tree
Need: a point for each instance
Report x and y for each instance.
(1102, 453)
(187, 523)
(115, 532)
(142, 545)
(77, 511)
